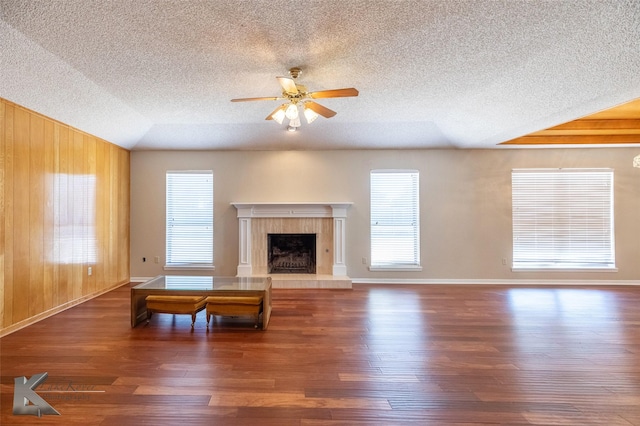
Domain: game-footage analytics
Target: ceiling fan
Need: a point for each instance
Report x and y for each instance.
(297, 96)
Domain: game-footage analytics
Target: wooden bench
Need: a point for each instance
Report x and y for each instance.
(234, 306)
(175, 305)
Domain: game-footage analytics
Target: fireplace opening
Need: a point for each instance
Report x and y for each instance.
(291, 253)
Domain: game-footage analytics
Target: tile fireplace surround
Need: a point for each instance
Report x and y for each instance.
(325, 219)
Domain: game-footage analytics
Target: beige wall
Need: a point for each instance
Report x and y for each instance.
(64, 207)
(465, 198)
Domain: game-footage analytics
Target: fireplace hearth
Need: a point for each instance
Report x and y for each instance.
(291, 253)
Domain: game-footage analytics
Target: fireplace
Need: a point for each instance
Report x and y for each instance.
(291, 253)
(324, 219)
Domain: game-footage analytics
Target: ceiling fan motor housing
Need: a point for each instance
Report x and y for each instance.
(295, 72)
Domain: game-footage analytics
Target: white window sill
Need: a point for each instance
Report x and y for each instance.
(562, 269)
(189, 268)
(392, 268)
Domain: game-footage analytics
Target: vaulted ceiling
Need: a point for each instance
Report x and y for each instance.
(431, 73)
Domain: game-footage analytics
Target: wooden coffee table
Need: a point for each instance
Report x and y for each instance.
(179, 285)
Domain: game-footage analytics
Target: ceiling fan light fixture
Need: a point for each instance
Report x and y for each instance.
(310, 115)
(279, 115)
(293, 124)
(292, 111)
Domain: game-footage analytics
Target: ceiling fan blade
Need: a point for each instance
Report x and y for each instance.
(335, 93)
(288, 85)
(269, 98)
(317, 108)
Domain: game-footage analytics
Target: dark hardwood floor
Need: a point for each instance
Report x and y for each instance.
(374, 355)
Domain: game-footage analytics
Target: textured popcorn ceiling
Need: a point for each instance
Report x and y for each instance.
(160, 74)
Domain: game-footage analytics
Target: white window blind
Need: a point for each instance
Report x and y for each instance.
(562, 219)
(395, 219)
(189, 219)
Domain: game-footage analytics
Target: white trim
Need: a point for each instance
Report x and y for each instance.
(391, 268)
(189, 268)
(189, 206)
(244, 247)
(244, 271)
(563, 219)
(293, 209)
(139, 279)
(339, 244)
(395, 171)
(339, 270)
(432, 281)
(394, 214)
(512, 282)
(547, 270)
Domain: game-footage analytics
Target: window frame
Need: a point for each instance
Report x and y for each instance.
(204, 222)
(413, 262)
(563, 206)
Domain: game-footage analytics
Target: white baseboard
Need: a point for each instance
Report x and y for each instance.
(139, 279)
(471, 281)
(294, 281)
(494, 282)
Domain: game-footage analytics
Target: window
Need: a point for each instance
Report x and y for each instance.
(563, 219)
(395, 220)
(189, 219)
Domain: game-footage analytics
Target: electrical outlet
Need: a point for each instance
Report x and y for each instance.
(157, 259)
(364, 260)
(89, 271)
(504, 261)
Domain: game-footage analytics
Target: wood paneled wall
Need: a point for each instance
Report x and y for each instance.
(64, 208)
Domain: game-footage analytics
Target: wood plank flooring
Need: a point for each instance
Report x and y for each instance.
(374, 355)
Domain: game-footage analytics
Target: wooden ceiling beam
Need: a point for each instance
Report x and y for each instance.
(587, 124)
(587, 132)
(575, 139)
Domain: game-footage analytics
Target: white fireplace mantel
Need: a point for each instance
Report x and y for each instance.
(313, 209)
(335, 210)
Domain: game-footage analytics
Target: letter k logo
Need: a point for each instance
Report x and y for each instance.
(23, 393)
